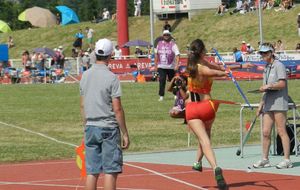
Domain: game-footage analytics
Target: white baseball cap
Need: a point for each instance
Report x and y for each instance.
(104, 45)
(166, 32)
(265, 48)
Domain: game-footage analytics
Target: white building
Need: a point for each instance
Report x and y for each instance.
(162, 8)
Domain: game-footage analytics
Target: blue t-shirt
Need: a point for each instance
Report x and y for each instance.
(238, 56)
(79, 35)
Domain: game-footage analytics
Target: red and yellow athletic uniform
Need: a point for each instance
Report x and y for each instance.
(197, 108)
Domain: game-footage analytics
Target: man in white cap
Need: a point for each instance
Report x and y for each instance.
(166, 61)
(103, 117)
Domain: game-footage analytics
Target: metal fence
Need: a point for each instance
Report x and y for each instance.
(71, 64)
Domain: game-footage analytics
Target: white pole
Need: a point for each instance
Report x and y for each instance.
(260, 22)
(151, 23)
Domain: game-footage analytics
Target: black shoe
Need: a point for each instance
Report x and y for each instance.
(197, 166)
(220, 179)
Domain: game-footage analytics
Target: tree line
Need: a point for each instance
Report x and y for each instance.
(85, 9)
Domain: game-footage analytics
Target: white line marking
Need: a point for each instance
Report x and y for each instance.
(165, 176)
(37, 133)
(58, 185)
(165, 173)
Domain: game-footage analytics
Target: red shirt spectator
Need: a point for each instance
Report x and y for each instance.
(244, 47)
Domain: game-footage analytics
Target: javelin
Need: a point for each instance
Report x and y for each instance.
(233, 79)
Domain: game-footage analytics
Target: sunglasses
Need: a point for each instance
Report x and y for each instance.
(166, 35)
(263, 53)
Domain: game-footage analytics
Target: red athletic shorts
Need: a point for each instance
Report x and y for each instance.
(204, 110)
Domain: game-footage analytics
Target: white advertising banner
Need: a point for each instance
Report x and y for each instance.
(175, 5)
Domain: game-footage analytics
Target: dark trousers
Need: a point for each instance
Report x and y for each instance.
(163, 73)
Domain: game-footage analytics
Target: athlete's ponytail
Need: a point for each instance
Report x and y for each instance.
(197, 47)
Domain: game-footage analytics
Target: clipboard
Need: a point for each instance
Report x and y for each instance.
(254, 91)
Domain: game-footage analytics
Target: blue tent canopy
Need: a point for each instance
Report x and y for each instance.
(68, 16)
(3, 52)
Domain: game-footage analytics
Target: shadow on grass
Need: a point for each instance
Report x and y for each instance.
(175, 24)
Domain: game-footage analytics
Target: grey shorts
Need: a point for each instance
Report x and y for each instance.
(103, 153)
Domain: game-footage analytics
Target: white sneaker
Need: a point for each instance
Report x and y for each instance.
(262, 164)
(284, 164)
(161, 98)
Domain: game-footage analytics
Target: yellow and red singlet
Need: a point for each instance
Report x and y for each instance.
(202, 86)
(204, 110)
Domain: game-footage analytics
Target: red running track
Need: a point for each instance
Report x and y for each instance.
(64, 175)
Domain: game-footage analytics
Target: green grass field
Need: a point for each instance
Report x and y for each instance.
(53, 110)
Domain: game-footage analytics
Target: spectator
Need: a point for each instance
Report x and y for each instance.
(105, 14)
(26, 61)
(273, 106)
(166, 61)
(117, 53)
(10, 42)
(59, 57)
(150, 53)
(114, 17)
(258, 44)
(61, 49)
(167, 26)
(58, 19)
(78, 40)
(74, 52)
(243, 47)
(137, 7)
(279, 47)
(252, 5)
(270, 4)
(298, 47)
(85, 61)
(285, 5)
(250, 49)
(34, 60)
(89, 36)
(237, 55)
(102, 16)
(103, 117)
(138, 52)
(222, 8)
(178, 86)
(39, 59)
(238, 7)
(245, 7)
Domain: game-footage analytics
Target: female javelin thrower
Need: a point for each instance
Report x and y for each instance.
(200, 109)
